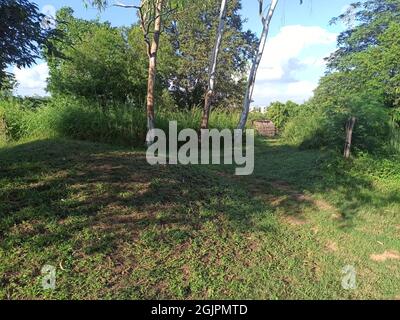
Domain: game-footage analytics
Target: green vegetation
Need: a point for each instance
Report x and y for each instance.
(103, 63)
(280, 113)
(23, 36)
(116, 227)
(363, 81)
(77, 193)
(119, 124)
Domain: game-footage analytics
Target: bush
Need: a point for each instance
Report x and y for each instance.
(280, 113)
(307, 130)
(324, 126)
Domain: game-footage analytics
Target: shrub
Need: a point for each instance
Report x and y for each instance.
(280, 113)
(307, 130)
(14, 118)
(319, 126)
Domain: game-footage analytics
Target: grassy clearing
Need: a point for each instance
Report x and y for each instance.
(116, 227)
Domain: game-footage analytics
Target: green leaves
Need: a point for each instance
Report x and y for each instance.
(99, 4)
(178, 4)
(171, 4)
(22, 34)
(193, 38)
(364, 82)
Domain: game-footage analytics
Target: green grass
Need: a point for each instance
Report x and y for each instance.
(115, 227)
(119, 124)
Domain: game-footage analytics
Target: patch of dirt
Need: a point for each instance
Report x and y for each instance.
(282, 186)
(275, 201)
(27, 229)
(387, 255)
(325, 206)
(294, 221)
(186, 272)
(315, 230)
(301, 197)
(254, 244)
(332, 246)
(336, 216)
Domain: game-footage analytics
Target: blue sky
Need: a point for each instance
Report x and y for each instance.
(300, 38)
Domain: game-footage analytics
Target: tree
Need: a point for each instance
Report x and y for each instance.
(368, 50)
(193, 33)
(363, 81)
(257, 60)
(280, 113)
(213, 67)
(23, 33)
(104, 63)
(151, 14)
(266, 20)
(95, 62)
(366, 22)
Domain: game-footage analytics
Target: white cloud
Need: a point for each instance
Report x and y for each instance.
(32, 81)
(49, 10)
(314, 62)
(288, 64)
(299, 89)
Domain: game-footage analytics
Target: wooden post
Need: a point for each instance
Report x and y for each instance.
(349, 136)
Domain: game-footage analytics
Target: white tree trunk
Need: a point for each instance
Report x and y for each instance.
(256, 63)
(213, 66)
(152, 73)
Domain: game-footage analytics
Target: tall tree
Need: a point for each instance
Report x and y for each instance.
(193, 33)
(266, 20)
(95, 62)
(213, 66)
(23, 33)
(104, 63)
(151, 14)
(363, 81)
(368, 50)
(366, 22)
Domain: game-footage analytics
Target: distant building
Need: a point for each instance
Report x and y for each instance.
(258, 109)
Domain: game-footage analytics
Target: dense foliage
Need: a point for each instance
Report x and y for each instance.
(84, 119)
(106, 63)
(192, 34)
(363, 81)
(100, 62)
(102, 67)
(24, 31)
(280, 113)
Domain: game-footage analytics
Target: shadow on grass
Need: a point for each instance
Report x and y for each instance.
(121, 227)
(316, 172)
(73, 186)
(53, 190)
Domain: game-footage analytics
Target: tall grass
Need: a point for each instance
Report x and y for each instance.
(306, 130)
(121, 124)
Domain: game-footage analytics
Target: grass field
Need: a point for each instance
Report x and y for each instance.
(115, 227)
